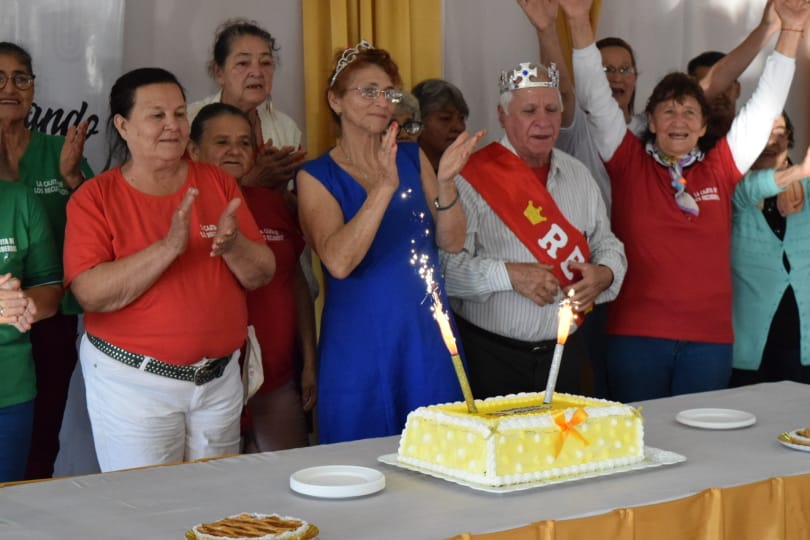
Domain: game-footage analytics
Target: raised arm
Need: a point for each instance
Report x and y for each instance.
(730, 67)
(762, 183)
(448, 212)
(340, 245)
(751, 127)
(543, 16)
(592, 89)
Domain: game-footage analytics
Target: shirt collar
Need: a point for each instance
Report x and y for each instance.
(553, 168)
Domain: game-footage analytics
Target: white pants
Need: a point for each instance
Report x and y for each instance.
(141, 419)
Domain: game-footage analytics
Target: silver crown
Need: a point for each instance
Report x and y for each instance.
(349, 55)
(527, 75)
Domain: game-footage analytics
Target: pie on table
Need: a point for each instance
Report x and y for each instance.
(254, 527)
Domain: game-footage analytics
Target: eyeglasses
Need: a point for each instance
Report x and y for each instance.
(392, 95)
(624, 70)
(21, 80)
(411, 127)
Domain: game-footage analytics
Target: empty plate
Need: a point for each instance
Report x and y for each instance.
(716, 418)
(337, 481)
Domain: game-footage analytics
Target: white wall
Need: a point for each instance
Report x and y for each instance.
(482, 37)
(178, 35)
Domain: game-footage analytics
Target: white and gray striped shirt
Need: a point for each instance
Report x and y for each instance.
(476, 278)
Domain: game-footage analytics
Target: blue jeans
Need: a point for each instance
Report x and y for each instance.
(640, 368)
(16, 424)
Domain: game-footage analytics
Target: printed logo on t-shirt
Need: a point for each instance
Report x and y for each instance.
(273, 235)
(707, 194)
(48, 187)
(7, 247)
(208, 231)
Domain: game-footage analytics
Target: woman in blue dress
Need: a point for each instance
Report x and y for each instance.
(376, 215)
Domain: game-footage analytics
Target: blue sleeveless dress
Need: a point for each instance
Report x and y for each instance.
(381, 354)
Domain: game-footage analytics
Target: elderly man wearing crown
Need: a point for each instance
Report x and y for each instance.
(537, 229)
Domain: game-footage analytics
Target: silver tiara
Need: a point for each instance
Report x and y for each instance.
(349, 55)
(527, 75)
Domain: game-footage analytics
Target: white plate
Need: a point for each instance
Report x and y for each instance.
(653, 457)
(337, 481)
(716, 418)
(788, 439)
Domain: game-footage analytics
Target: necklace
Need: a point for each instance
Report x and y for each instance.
(363, 173)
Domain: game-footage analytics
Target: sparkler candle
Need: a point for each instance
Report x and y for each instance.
(426, 272)
(450, 343)
(565, 315)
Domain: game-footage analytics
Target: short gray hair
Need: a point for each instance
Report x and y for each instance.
(436, 94)
(409, 105)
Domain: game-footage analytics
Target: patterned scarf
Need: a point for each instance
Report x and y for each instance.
(683, 199)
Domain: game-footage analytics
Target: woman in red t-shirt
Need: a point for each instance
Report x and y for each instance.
(159, 252)
(281, 311)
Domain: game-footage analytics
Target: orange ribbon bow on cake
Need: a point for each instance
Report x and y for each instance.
(569, 428)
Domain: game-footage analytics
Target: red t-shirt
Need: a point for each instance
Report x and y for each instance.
(678, 282)
(272, 309)
(197, 307)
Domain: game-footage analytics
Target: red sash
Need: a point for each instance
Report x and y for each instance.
(513, 191)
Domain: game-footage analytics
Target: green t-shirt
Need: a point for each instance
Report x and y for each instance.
(39, 170)
(28, 252)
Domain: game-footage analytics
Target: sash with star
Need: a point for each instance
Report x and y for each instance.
(526, 207)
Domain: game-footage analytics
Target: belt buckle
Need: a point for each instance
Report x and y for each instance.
(209, 371)
(203, 374)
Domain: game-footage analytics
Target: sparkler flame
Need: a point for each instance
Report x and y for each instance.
(437, 308)
(565, 316)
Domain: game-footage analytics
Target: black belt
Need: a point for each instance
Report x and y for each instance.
(523, 346)
(199, 375)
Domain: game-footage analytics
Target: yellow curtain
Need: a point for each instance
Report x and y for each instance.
(565, 34)
(775, 509)
(411, 30)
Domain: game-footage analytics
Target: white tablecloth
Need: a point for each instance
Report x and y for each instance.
(161, 503)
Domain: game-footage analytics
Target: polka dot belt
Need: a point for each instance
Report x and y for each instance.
(199, 375)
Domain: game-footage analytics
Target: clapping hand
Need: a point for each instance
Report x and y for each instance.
(16, 308)
(274, 166)
(177, 237)
(387, 174)
(227, 230)
(457, 154)
(70, 159)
